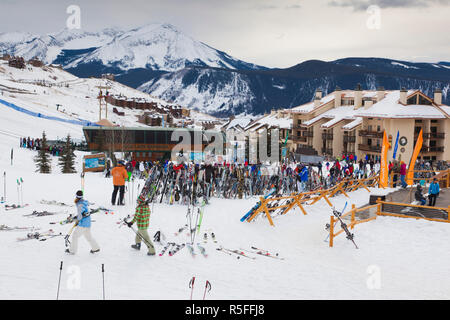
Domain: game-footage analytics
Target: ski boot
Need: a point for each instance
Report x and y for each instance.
(205, 237)
(136, 246)
(150, 253)
(95, 251)
(213, 237)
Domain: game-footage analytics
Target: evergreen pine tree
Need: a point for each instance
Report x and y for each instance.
(42, 160)
(67, 158)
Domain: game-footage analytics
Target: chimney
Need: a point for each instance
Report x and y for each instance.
(358, 96)
(403, 94)
(380, 93)
(438, 96)
(318, 94)
(316, 102)
(337, 97)
(368, 102)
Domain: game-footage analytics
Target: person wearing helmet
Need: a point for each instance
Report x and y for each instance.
(142, 218)
(119, 174)
(83, 225)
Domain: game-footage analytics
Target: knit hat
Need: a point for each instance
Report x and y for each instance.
(79, 194)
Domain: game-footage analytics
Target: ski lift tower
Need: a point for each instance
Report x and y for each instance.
(102, 101)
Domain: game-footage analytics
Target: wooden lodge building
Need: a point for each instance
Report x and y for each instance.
(144, 143)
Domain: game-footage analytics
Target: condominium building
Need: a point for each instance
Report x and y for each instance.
(353, 122)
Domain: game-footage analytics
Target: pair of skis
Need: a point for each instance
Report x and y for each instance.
(238, 253)
(207, 287)
(205, 237)
(172, 247)
(200, 248)
(40, 236)
(337, 214)
(15, 206)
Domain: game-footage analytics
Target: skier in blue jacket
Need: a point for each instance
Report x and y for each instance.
(83, 225)
(433, 192)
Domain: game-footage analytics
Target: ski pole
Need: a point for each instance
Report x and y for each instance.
(191, 285)
(4, 186)
(18, 193)
(66, 238)
(207, 287)
(59, 281)
(103, 275)
(21, 189)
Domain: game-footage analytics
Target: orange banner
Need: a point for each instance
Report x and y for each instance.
(384, 171)
(417, 148)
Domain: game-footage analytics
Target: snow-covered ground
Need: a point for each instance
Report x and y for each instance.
(56, 93)
(408, 257)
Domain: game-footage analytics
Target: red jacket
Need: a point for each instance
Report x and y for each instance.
(403, 169)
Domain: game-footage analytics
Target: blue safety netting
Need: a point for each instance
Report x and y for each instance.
(43, 116)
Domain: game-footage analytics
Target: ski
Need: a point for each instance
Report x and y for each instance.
(68, 220)
(4, 227)
(41, 214)
(36, 235)
(177, 248)
(14, 206)
(191, 249)
(56, 203)
(166, 247)
(240, 253)
(257, 205)
(264, 253)
(350, 235)
(181, 230)
(202, 250)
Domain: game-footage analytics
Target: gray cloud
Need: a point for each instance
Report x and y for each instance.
(359, 5)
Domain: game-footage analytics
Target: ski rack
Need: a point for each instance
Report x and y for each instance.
(344, 186)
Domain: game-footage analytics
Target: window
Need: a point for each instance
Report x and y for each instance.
(378, 128)
(139, 136)
(299, 121)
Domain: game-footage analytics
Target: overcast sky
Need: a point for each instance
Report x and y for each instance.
(273, 33)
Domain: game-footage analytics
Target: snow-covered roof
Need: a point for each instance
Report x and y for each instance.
(352, 125)
(335, 115)
(390, 107)
(271, 121)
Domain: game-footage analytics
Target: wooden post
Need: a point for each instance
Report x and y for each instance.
(448, 213)
(331, 230)
(353, 216)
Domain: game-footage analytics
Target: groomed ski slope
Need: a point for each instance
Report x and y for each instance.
(411, 256)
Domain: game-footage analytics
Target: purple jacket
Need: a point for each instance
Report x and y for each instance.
(403, 169)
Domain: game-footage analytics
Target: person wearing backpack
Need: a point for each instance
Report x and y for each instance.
(83, 225)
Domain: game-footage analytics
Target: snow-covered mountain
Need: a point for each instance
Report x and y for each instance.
(222, 92)
(159, 47)
(153, 46)
(48, 47)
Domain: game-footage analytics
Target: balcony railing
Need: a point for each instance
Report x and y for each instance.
(366, 147)
(299, 139)
(300, 127)
(432, 135)
(327, 151)
(426, 149)
(307, 134)
(306, 150)
(370, 134)
(351, 139)
(327, 136)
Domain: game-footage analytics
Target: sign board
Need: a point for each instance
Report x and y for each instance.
(94, 163)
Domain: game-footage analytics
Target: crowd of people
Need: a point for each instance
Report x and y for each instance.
(36, 144)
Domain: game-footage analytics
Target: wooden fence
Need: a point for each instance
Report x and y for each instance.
(392, 209)
(309, 198)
